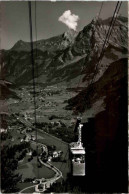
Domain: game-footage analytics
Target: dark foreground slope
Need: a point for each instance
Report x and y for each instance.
(105, 137)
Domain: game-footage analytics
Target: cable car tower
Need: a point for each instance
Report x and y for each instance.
(77, 152)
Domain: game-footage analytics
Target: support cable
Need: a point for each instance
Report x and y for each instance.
(103, 48)
(33, 70)
(94, 32)
(36, 76)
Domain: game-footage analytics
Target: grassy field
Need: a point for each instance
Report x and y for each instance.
(24, 185)
(60, 145)
(30, 170)
(30, 190)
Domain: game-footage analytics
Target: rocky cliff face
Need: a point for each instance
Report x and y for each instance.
(51, 45)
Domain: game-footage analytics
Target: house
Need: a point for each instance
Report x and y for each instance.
(28, 129)
(60, 153)
(2, 130)
(55, 154)
(27, 138)
(40, 188)
(49, 158)
(33, 137)
(29, 153)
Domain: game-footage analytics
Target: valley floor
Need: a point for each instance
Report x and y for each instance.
(52, 118)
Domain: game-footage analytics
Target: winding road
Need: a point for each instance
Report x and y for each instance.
(45, 184)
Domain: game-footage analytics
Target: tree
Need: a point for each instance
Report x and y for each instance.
(8, 165)
(34, 153)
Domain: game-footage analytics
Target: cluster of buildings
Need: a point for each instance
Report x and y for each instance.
(55, 154)
(28, 138)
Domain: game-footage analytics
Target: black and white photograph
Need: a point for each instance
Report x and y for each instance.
(64, 96)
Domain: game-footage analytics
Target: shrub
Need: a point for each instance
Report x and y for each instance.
(34, 153)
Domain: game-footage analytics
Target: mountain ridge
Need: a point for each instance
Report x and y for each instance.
(69, 57)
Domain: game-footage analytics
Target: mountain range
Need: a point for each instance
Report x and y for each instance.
(70, 59)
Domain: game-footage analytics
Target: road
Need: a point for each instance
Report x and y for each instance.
(28, 124)
(58, 173)
(45, 184)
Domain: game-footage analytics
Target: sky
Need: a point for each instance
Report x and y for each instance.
(15, 18)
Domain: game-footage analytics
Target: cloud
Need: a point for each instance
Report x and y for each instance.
(71, 20)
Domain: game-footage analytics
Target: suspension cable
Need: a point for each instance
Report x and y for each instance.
(94, 32)
(109, 30)
(107, 37)
(36, 37)
(37, 78)
(85, 60)
(105, 42)
(114, 22)
(32, 60)
(33, 72)
(116, 15)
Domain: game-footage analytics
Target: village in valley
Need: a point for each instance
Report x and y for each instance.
(44, 147)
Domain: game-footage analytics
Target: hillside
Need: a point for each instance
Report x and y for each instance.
(106, 88)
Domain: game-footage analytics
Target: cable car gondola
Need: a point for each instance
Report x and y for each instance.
(77, 152)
